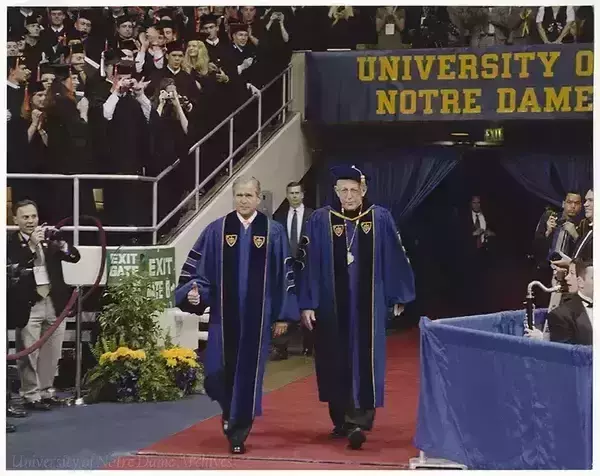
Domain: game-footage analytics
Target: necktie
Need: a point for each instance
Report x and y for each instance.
(42, 289)
(477, 227)
(294, 233)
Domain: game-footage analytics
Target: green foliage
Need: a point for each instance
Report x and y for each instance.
(128, 322)
(130, 314)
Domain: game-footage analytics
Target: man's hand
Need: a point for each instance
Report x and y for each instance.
(194, 295)
(280, 329)
(534, 333)
(550, 225)
(139, 87)
(37, 236)
(569, 227)
(398, 309)
(308, 317)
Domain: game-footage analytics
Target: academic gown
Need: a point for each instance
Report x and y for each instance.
(351, 302)
(244, 276)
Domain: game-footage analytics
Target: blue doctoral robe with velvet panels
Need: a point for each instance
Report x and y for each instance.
(245, 277)
(352, 301)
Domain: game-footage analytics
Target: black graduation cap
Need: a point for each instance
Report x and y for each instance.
(76, 47)
(124, 67)
(165, 24)
(61, 71)
(175, 46)
(237, 27)
(15, 35)
(58, 9)
(35, 87)
(31, 20)
(165, 12)
(86, 14)
(209, 19)
(127, 45)
(46, 68)
(348, 172)
(123, 19)
(200, 36)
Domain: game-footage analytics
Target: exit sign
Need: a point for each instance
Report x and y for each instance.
(495, 134)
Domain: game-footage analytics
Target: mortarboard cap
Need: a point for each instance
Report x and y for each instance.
(32, 20)
(348, 172)
(127, 45)
(35, 87)
(16, 35)
(86, 14)
(200, 36)
(76, 47)
(165, 24)
(237, 27)
(175, 46)
(209, 20)
(46, 68)
(123, 19)
(58, 9)
(164, 12)
(124, 67)
(61, 71)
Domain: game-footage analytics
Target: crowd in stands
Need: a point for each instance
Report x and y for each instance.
(127, 90)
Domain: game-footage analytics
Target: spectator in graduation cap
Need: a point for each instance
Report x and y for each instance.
(127, 150)
(67, 153)
(47, 75)
(12, 43)
(168, 29)
(124, 31)
(128, 50)
(35, 51)
(82, 29)
(80, 68)
(184, 81)
(151, 56)
(17, 76)
(16, 16)
(244, 53)
(33, 141)
(54, 36)
(219, 50)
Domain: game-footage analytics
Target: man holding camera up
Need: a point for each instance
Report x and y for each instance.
(37, 295)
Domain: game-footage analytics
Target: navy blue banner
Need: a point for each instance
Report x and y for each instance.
(495, 83)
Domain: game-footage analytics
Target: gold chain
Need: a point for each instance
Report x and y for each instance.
(349, 246)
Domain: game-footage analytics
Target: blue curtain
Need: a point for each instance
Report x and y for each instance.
(550, 176)
(399, 178)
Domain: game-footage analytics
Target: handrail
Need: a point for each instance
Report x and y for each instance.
(156, 225)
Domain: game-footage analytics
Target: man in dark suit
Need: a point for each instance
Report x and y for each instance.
(41, 295)
(293, 216)
(571, 322)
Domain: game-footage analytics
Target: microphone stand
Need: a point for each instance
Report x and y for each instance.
(529, 305)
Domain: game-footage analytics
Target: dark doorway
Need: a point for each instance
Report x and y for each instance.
(435, 239)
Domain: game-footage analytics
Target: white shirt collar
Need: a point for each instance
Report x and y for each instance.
(173, 71)
(212, 42)
(13, 85)
(299, 208)
(585, 298)
(247, 222)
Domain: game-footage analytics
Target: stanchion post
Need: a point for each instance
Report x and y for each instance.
(78, 353)
(231, 147)
(154, 212)
(259, 120)
(197, 177)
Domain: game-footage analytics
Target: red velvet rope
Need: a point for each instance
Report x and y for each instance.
(67, 310)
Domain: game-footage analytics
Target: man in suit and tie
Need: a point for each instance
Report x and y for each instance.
(572, 321)
(42, 295)
(293, 217)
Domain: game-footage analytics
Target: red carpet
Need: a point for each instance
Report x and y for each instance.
(294, 427)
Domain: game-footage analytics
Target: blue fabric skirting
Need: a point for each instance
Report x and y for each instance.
(493, 399)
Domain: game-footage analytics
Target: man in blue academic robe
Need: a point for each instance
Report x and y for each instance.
(355, 271)
(240, 268)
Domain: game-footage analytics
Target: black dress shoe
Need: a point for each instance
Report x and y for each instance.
(10, 428)
(356, 438)
(339, 432)
(14, 412)
(237, 449)
(278, 355)
(37, 406)
(52, 401)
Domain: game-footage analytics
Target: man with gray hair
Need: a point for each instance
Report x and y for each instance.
(240, 267)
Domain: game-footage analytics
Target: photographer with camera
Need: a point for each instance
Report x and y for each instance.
(37, 293)
(556, 235)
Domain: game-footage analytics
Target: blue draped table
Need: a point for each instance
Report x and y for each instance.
(493, 399)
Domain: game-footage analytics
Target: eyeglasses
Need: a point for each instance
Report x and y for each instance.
(348, 191)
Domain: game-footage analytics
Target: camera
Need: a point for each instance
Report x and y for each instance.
(52, 234)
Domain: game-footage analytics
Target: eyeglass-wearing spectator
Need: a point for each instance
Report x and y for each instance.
(555, 24)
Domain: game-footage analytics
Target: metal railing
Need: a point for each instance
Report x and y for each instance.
(229, 121)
